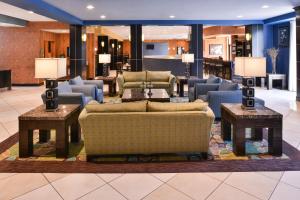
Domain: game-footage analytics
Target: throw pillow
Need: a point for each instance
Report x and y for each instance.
(228, 86)
(213, 79)
(76, 81)
(64, 87)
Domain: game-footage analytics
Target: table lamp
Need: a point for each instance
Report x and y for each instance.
(187, 58)
(51, 69)
(248, 68)
(105, 59)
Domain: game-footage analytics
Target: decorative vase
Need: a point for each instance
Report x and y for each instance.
(273, 53)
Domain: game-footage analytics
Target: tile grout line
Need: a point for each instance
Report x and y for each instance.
(117, 191)
(30, 190)
(221, 183)
(105, 183)
(165, 183)
(50, 183)
(276, 186)
(243, 191)
(110, 180)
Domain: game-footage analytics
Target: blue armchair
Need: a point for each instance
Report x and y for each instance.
(215, 94)
(74, 94)
(98, 83)
(192, 82)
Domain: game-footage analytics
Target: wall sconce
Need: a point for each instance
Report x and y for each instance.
(102, 44)
(95, 49)
(248, 37)
(129, 37)
(119, 46)
(83, 37)
(113, 45)
(143, 37)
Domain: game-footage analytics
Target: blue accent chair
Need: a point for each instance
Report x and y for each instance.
(215, 94)
(74, 94)
(98, 83)
(192, 82)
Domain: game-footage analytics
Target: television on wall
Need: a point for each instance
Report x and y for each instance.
(215, 49)
(150, 46)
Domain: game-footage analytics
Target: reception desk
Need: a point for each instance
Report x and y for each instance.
(164, 63)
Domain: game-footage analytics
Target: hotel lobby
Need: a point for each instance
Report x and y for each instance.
(150, 99)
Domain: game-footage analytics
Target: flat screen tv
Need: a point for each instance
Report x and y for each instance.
(150, 46)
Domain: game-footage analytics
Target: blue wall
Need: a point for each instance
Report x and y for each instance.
(159, 49)
(271, 40)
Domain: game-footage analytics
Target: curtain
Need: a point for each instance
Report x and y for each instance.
(293, 62)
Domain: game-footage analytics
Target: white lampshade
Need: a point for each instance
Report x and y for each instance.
(104, 58)
(250, 66)
(188, 58)
(50, 68)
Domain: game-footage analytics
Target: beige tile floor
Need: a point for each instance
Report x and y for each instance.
(167, 186)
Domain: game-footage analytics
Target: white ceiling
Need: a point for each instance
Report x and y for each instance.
(153, 32)
(182, 9)
(12, 11)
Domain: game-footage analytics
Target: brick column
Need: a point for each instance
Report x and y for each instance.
(297, 9)
(136, 60)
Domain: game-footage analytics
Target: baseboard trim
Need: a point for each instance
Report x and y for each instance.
(28, 84)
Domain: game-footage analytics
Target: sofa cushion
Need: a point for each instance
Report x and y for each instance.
(132, 84)
(160, 84)
(173, 107)
(87, 99)
(77, 81)
(139, 106)
(134, 76)
(158, 76)
(213, 79)
(228, 86)
(64, 87)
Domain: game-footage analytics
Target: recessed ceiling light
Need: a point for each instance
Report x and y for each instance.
(265, 6)
(102, 16)
(90, 7)
(172, 16)
(240, 16)
(30, 12)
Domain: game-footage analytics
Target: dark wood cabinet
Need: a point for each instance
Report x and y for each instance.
(5, 79)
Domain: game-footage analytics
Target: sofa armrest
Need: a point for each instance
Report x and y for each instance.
(98, 83)
(87, 90)
(120, 81)
(215, 98)
(172, 81)
(203, 89)
(193, 81)
(71, 98)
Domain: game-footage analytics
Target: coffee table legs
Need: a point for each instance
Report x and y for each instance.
(275, 141)
(62, 141)
(75, 132)
(25, 143)
(238, 140)
(44, 136)
(225, 129)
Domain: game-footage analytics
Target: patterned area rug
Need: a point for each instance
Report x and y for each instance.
(218, 150)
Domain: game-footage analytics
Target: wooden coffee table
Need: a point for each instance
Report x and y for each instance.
(38, 118)
(136, 94)
(240, 119)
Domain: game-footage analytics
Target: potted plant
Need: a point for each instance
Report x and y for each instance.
(273, 53)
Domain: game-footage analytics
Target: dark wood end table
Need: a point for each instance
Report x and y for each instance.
(38, 118)
(136, 94)
(240, 119)
(111, 81)
(181, 81)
